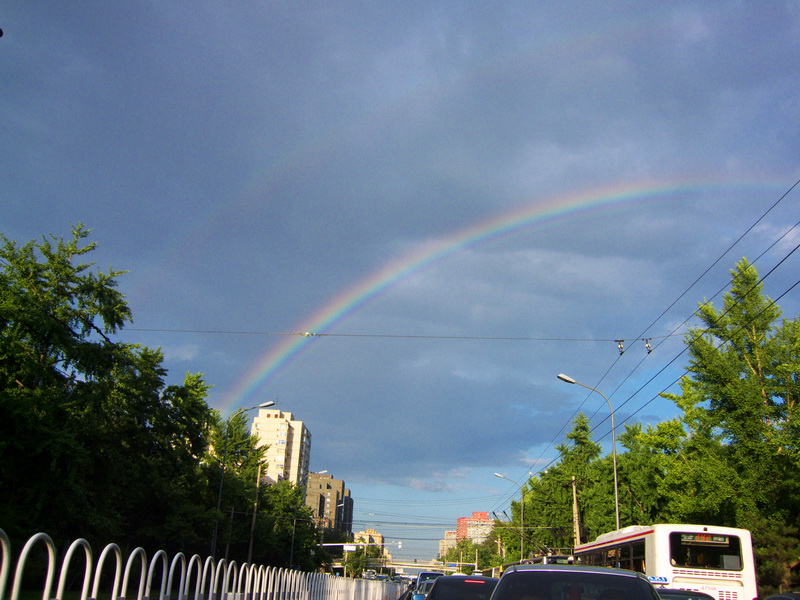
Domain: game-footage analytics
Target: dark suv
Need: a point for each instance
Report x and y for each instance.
(572, 582)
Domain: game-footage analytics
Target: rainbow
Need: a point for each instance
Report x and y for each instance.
(359, 295)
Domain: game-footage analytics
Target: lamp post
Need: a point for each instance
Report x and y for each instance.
(222, 477)
(569, 379)
(521, 514)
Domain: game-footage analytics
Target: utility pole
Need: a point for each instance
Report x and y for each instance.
(575, 522)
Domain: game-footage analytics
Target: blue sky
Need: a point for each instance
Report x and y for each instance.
(249, 163)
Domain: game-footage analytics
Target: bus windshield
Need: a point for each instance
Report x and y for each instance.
(704, 551)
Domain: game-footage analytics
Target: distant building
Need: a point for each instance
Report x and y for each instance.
(289, 444)
(330, 502)
(448, 543)
(475, 528)
(372, 538)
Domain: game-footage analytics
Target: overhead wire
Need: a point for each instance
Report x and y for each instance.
(619, 340)
(371, 335)
(663, 338)
(697, 334)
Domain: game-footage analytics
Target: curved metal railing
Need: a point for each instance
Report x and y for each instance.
(182, 578)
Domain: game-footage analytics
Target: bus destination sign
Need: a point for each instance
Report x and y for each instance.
(704, 539)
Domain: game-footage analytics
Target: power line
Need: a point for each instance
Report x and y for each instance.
(380, 335)
(663, 338)
(686, 347)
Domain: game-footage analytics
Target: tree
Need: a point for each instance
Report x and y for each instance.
(649, 458)
(93, 443)
(357, 561)
(739, 462)
(232, 466)
(482, 555)
(287, 535)
(551, 498)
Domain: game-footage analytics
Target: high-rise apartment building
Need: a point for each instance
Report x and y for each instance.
(289, 444)
(330, 501)
(475, 528)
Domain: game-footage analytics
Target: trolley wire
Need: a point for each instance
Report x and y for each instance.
(663, 338)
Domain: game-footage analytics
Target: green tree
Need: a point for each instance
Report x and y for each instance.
(550, 500)
(232, 467)
(739, 462)
(467, 552)
(357, 561)
(286, 533)
(93, 443)
(643, 468)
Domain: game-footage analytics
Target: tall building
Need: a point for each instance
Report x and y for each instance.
(330, 502)
(447, 543)
(289, 444)
(475, 528)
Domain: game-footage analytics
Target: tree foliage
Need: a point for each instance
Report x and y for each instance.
(469, 555)
(94, 443)
(356, 561)
(88, 414)
(731, 457)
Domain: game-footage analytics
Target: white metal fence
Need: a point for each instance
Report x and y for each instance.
(181, 578)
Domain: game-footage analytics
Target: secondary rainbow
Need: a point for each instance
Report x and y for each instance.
(362, 293)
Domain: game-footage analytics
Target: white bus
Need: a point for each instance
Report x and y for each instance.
(715, 560)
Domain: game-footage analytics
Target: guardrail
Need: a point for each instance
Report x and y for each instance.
(182, 578)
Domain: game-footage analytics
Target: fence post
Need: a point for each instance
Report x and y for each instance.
(23, 557)
(99, 570)
(87, 574)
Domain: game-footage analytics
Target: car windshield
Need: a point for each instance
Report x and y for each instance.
(462, 588)
(425, 586)
(571, 585)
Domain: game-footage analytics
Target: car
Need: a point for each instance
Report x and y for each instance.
(462, 587)
(676, 594)
(784, 596)
(572, 582)
(424, 576)
(422, 589)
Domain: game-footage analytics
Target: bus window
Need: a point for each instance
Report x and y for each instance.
(637, 556)
(703, 551)
(611, 558)
(625, 557)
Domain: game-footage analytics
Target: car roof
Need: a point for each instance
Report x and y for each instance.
(673, 592)
(574, 569)
(463, 577)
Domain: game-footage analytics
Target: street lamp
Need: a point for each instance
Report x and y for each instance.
(521, 514)
(569, 379)
(222, 476)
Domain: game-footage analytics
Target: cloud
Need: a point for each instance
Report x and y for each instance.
(181, 353)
